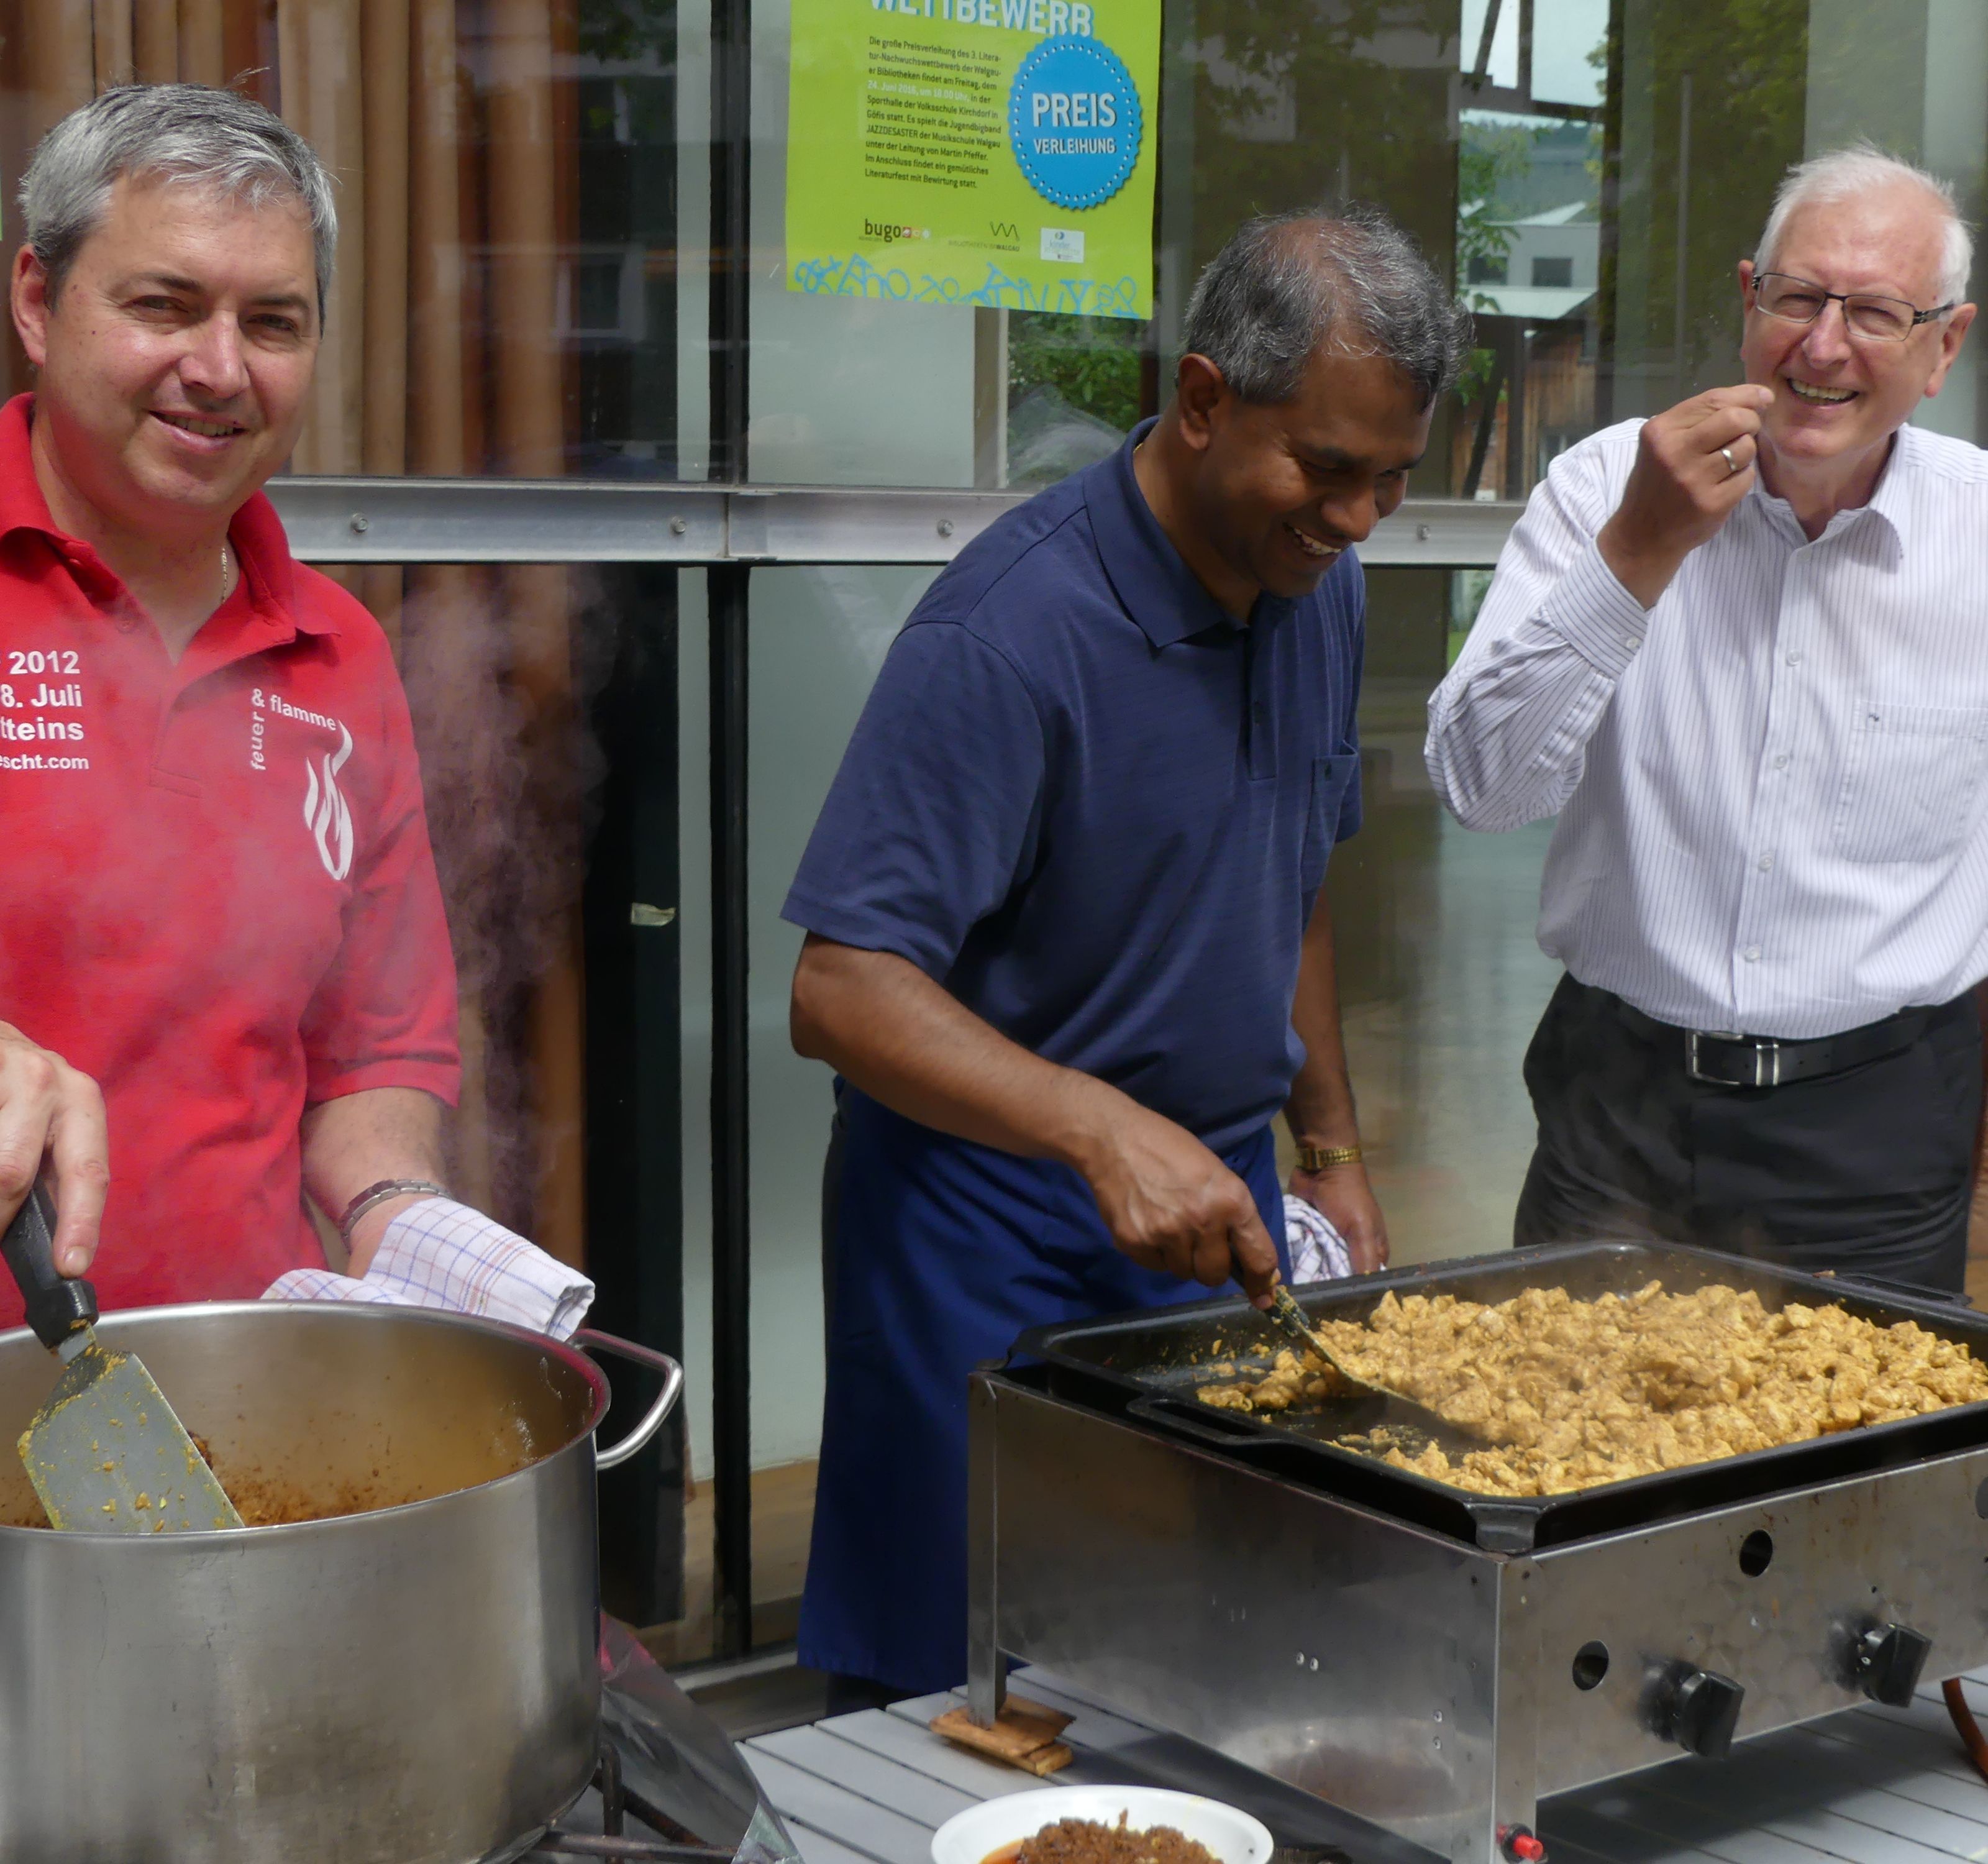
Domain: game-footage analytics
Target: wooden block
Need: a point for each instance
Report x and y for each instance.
(1022, 1726)
(1043, 1761)
(1023, 1736)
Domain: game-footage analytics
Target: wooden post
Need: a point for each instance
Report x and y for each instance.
(447, 609)
(203, 47)
(52, 62)
(528, 439)
(111, 23)
(323, 89)
(385, 45)
(436, 336)
(386, 48)
(155, 39)
(59, 59)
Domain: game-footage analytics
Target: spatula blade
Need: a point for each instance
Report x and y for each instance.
(107, 1454)
(1289, 1318)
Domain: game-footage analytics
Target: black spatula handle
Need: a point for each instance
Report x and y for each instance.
(57, 1304)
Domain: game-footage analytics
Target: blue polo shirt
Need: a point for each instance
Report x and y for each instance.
(1096, 808)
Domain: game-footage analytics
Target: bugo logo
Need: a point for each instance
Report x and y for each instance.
(890, 232)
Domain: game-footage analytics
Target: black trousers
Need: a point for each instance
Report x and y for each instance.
(1870, 1170)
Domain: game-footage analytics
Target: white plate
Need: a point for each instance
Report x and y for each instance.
(1234, 1837)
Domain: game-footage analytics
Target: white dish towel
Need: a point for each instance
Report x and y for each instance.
(1318, 1251)
(439, 1253)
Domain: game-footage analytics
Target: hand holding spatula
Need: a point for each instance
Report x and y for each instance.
(105, 1452)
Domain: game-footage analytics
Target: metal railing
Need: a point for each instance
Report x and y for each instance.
(689, 522)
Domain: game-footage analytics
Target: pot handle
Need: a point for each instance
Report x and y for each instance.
(590, 1340)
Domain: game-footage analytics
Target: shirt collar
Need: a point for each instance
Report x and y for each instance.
(1150, 577)
(1891, 500)
(255, 535)
(1889, 506)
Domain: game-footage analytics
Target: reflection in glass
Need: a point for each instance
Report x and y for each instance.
(1569, 47)
(551, 765)
(1489, 41)
(1529, 244)
(1600, 218)
(505, 295)
(1266, 109)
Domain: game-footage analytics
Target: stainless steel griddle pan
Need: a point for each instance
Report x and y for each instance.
(1146, 1365)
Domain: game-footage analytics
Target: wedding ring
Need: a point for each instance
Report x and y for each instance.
(1732, 465)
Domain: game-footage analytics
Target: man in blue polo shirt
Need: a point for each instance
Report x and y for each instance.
(1067, 951)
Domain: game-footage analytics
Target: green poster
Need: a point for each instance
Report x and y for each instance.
(989, 152)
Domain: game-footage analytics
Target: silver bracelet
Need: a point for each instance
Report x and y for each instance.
(379, 1194)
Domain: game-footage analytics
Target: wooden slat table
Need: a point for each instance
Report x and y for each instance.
(1869, 1786)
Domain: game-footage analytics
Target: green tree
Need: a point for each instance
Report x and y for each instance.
(622, 32)
(1092, 362)
(1490, 155)
(1747, 62)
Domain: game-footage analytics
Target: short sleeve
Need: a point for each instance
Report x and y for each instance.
(385, 1015)
(927, 824)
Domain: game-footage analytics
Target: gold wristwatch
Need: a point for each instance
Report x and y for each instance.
(1322, 1158)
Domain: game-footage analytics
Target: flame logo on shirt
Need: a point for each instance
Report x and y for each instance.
(325, 813)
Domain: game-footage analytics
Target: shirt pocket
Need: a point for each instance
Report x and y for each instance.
(1910, 781)
(1329, 777)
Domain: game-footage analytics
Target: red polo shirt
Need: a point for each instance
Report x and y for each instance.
(217, 898)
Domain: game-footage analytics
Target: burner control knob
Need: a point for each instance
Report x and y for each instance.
(1886, 1662)
(1698, 1709)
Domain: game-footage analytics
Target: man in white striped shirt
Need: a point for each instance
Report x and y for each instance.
(1741, 650)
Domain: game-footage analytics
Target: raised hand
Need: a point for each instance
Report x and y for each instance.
(1694, 462)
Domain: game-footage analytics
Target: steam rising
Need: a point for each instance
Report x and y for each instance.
(508, 769)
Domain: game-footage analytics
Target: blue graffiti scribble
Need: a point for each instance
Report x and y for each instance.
(856, 277)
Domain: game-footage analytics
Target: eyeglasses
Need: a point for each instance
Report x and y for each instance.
(1799, 301)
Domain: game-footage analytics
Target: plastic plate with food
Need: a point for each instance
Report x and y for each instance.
(1101, 1824)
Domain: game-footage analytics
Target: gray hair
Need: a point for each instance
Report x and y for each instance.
(1286, 285)
(192, 132)
(1843, 174)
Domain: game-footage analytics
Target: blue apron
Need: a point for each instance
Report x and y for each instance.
(945, 1252)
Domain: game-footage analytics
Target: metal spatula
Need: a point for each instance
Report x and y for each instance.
(105, 1452)
(1288, 1317)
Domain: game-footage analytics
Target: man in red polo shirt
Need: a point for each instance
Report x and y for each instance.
(217, 904)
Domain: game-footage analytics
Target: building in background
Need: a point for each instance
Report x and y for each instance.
(1529, 255)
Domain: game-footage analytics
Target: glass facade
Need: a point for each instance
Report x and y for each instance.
(524, 283)
(564, 258)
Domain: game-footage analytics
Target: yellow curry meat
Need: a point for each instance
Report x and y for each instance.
(1569, 1394)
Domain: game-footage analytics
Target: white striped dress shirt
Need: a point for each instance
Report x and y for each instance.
(1770, 785)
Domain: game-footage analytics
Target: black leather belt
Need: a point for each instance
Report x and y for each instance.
(1725, 1059)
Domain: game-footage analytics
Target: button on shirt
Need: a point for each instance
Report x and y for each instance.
(1096, 808)
(1770, 785)
(217, 898)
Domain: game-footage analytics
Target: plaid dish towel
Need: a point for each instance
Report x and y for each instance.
(439, 1253)
(1318, 1251)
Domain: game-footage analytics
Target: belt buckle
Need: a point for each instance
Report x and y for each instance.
(1762, 1068)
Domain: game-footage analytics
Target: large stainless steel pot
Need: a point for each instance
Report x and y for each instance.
(415, 1684)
